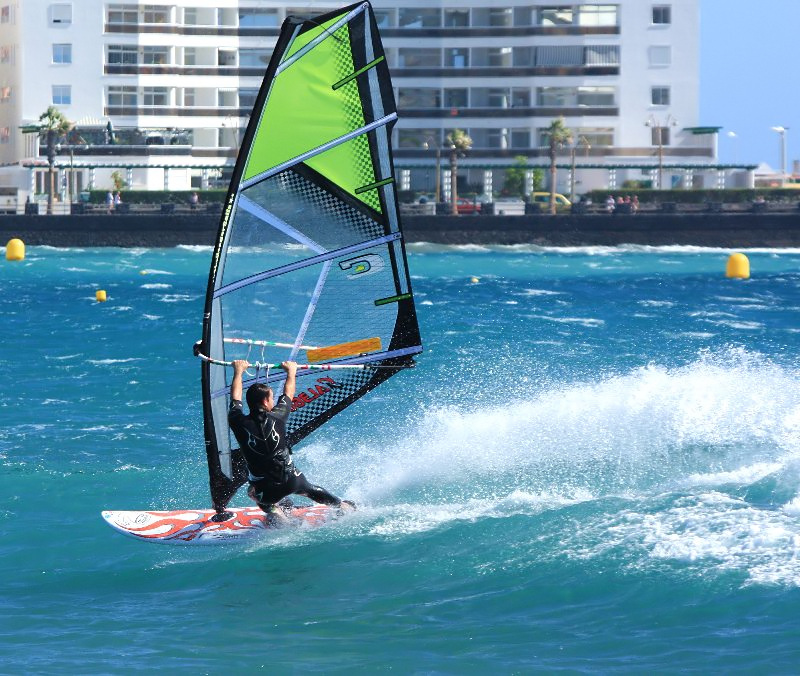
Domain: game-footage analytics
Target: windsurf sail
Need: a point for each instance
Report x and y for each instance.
(309, 263)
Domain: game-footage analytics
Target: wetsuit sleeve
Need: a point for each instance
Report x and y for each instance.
(235, 412)
(282, 408)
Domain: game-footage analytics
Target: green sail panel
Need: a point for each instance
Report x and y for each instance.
(304, 111)
(349, 165)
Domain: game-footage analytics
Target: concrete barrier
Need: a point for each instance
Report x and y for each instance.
(730, 230)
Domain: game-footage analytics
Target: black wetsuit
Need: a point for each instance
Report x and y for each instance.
(262, 438)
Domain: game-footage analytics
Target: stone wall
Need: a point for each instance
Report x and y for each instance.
(721, 230)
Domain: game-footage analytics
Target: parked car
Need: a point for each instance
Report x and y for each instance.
(464, 205)
(544, 198)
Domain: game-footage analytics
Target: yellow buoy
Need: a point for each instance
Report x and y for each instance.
(100, 294)
(474, 280)
(15, 250)
(738, 266)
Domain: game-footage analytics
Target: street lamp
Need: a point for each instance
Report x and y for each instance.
(654, 123)
(782, 132)
(438, 150)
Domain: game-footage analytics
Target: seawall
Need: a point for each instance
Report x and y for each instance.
(737, 230)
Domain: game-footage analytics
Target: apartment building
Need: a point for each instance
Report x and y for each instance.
(161, 92)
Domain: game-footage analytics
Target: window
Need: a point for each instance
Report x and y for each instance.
(420, 18)
(227, 98)
(502, 16)
(62, 95)
(247, 97)
(419, 58)
(122, 96)
(455, 98)
(227, 57)
(156, 14)
(5, 135)
(497, 138)
(659, 96)
(561, 55)
(123, 14)
(555, 16)
(5, 94)
(253, 58)
(520, 97)
(189, 56)
(456, 17)
(457, 58)
(602, 55)
(597, 15)
(7, 54)
(416, 138)
(520, 138)
(383, 17)
(426, 97)
(596, 96)
(5, 14)
(155, 55)
(61, 14)
(155, 96)
(189, 96)
(662, 14)
(258, 18)
(523, 56)
(62, 53)
(659, 136)
(122, 55)
(499, 57)
(659, 56)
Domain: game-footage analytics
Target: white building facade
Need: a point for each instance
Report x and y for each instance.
(161, 93)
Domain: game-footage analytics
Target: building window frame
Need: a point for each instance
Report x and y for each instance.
(122, 96)
(661, 15)
(61, 14)
(660, 96)
(61, 95)
(62, 53)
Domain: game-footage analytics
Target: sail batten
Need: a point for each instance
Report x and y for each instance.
(320, 149)
(310, 250)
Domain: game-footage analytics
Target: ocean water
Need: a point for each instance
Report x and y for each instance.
(595, 468)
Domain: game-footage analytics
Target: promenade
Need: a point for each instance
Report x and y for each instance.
(729, 230)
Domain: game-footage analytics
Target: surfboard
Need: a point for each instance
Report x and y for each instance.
(203, 527)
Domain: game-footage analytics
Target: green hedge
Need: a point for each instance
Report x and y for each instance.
(160, 196)
(733, 196)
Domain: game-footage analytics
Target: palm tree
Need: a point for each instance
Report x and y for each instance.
(459, 144)
(53, 126)
(557, 135)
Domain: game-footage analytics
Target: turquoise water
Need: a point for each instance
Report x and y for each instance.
(595, 467)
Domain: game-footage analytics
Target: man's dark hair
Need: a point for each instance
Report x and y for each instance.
(256, 394)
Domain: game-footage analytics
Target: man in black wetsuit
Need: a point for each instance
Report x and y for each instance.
(262, 438)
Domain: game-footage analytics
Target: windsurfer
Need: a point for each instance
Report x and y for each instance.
(262, 438)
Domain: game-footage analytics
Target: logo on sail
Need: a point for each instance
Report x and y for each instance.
(361, 266)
